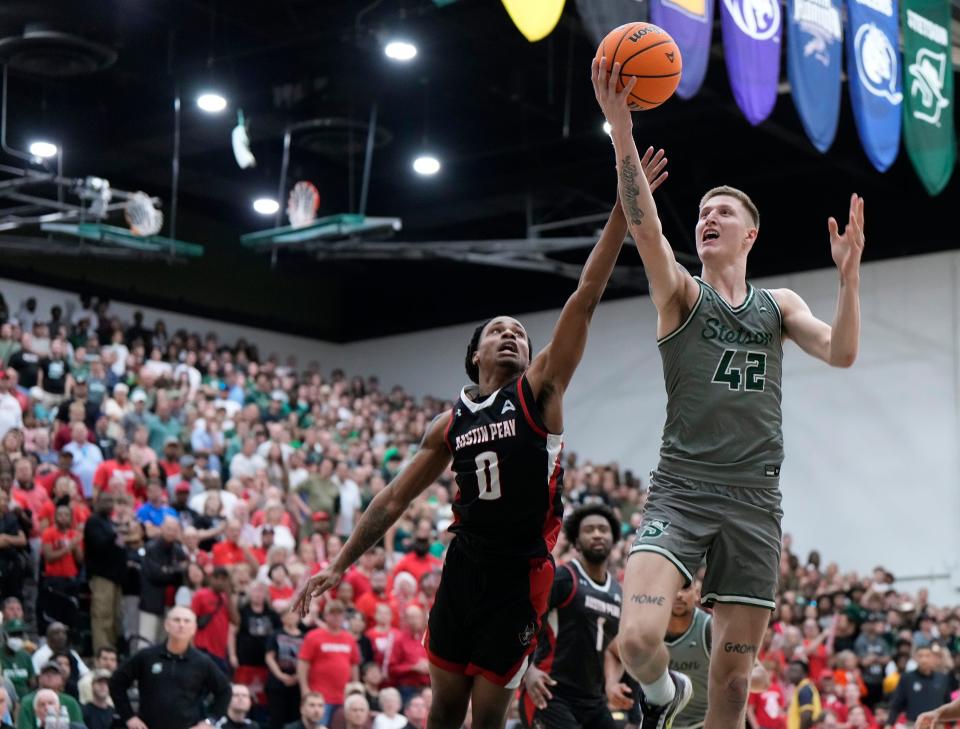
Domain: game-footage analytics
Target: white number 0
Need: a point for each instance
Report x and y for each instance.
(489, 487)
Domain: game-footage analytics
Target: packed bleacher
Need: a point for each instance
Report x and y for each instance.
(142, 469)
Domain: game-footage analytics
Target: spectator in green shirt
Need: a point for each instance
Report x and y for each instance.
(15, 662)
(50, 678)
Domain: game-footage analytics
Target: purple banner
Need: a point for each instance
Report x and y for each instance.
(751, 46)
(601, 16)
(690, 23)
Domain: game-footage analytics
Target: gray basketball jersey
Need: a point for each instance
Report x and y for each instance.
(721, 369)
(690, 655)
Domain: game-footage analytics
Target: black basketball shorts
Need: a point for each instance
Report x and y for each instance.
(486, 616)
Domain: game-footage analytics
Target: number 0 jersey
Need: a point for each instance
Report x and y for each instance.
(721, 369)
(508, 473)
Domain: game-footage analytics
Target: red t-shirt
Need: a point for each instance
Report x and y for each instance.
(48, 481)
(331, 657)
(367, 604)
(227, 553)
(108, 469)
(768, 708)
(80, 513)
(280, 593)
(817, 659)
(32, 499)
(359, 581)
(65, 566)
(416, 566)
(382, 642)
(213, 636)
(407, 651)
(171, 468)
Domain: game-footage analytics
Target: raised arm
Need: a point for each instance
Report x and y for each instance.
(670, 285)
(387, 506)
(837, 345)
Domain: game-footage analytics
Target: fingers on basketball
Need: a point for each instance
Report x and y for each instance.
(648, 54)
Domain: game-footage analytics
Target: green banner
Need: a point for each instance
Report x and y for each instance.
(928, 91)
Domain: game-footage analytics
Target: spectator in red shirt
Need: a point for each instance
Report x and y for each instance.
(383, 636)
(408, 667)
(369, 601)
(65, 490)
(119, 465)
(281, 588)
(359, 575)
(418, 561)
(27, 494)
(62, 550)
(329, 658)
(215, 612)
(230, 552)
(64, 468)
(766, 708)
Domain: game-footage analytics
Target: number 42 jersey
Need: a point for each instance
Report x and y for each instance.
(508, 474)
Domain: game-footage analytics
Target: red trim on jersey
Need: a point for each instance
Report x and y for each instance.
(446, 431)
(552, 523)
(526, 412)
(527, 707)
(576, 584)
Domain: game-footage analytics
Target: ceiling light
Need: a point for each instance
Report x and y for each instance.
(607, 128)
(426, 165)
(399, 50)
(266, 205)
(211, 102)
(43, 149)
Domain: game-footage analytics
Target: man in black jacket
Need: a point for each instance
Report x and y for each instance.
(164, 564)
(106, 565)
(173, 679)
(923, 690)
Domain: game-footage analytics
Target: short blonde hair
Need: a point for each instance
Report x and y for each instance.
(740, 195)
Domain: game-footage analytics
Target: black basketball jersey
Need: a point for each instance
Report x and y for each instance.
(582, 622)
(508, 473)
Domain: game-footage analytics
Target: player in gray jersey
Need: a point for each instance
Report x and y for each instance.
(715, 493)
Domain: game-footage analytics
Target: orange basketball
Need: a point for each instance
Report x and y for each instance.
(647, 53)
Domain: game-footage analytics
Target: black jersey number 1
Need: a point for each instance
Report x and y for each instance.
(488, 476)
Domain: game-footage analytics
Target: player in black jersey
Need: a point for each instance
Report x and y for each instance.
(503, 436)
(565, 688)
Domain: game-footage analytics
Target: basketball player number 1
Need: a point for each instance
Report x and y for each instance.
(488, 476)
(600, 622)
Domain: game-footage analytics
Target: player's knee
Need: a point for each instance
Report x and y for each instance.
(638, 644)
(734, 691)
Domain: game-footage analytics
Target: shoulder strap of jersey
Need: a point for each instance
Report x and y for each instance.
(528, 405)
(446, 431)
(707, 633)
(576, 584)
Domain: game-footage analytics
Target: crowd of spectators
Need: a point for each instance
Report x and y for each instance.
(142, 470)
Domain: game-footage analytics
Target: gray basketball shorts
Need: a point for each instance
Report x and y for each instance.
(734, 529)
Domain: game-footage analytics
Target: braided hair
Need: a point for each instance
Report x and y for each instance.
(473, 369)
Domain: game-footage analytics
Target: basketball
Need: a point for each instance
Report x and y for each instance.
(647, 53)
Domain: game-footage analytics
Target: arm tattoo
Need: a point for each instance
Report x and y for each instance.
(630, 189)
(739, 648)
(370, 530)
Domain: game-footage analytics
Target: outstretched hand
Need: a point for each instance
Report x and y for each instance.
(846, 248)
(613, 104)
(652, 165)
(324, 580)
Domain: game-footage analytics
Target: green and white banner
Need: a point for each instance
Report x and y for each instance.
(928, 91)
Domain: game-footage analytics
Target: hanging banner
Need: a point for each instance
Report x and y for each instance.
(690, 24)
(873, 66)
(536, 19)
(814, 47)
(928, 92)
(601, 16)
(751, 46)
